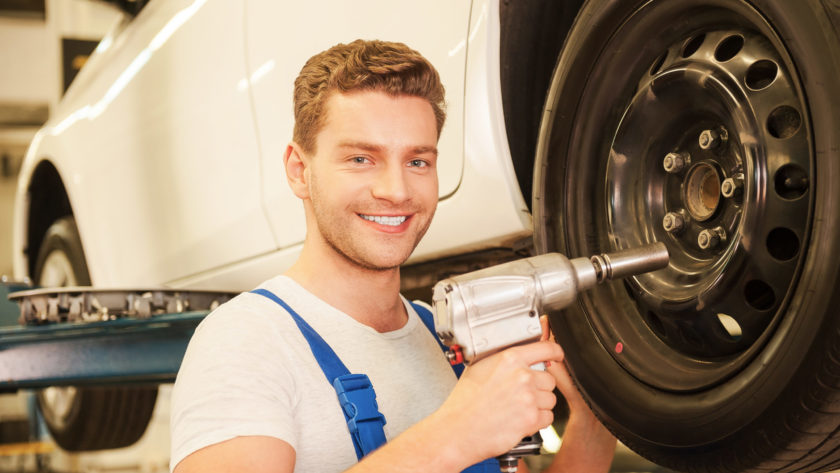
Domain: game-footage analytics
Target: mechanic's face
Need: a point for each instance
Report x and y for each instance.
(373, 180)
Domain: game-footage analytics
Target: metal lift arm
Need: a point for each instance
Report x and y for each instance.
(85, 336)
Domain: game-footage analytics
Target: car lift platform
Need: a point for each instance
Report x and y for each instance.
(86, 336)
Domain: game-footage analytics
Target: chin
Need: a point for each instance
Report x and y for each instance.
(382, 263)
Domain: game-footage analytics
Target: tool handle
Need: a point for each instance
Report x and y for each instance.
(527, 446)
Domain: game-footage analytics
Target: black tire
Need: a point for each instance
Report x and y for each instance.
(93, 418)
(654, 354)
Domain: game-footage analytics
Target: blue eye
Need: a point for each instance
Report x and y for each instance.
(419, 163)
(359, 159)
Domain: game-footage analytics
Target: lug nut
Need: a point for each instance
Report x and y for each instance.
(709, 239)
(676, 162)
(710, 139)
(732, 186)
(673, 222)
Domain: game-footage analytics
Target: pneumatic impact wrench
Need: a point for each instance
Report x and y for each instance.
(485, 311)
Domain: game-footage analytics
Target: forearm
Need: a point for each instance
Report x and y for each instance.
(496, 402)
(426, 446)
(588, 447)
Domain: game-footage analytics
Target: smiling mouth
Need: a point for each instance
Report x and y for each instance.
(385, 220)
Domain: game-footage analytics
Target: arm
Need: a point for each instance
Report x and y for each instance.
(587, 445)
(496, 402)
(254, 454)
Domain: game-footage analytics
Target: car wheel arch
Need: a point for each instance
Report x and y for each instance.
(48, 201)
(532, 34)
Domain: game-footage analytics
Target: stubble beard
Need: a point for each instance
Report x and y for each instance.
(343, 244)
(340, 240)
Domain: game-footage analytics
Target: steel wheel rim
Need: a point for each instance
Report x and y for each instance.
(687, 327)
(59, 402)
(57, 271)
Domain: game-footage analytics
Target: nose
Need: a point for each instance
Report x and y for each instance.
(390, 184)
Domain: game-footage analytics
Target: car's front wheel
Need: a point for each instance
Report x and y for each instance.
(712, 126)
(89, 418)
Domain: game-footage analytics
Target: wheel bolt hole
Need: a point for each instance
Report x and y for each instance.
(657, 65)
(692, 45)
(728, 48)
(783, 122)
(790, 182)
(732, 327)
(759, 295)
(761, 74)
(782, 244)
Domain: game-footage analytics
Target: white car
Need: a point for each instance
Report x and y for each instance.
(710, 125)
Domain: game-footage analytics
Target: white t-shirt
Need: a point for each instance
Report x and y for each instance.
(249, 371)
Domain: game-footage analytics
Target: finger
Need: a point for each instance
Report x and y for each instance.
(545, 324)
(546, 333)
(536, 352)
(561, 376)
(567, 387)
(559, 370)
(546, 328)
(546, 400)
(544, 418)
(544, 381)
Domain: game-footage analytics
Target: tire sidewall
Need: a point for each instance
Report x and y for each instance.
(734, 412)
(63, 236)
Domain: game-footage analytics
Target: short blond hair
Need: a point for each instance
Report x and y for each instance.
(390, 67)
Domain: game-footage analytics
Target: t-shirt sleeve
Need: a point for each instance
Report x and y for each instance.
(232, 382)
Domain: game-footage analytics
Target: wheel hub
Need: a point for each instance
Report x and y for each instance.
(701, 191)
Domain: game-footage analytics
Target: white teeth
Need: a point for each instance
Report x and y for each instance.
(391, 221)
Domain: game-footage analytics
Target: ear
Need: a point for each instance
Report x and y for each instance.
(297, 170)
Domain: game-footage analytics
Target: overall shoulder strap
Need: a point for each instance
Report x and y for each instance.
(329, 362)
(355, 392)
(428, 320)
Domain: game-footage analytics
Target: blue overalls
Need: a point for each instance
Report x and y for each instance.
(355, 392)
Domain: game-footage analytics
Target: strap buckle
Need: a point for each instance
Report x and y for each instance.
(358, 399)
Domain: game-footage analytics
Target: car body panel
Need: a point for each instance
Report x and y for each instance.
(488, 210)
(170, 142)
(156, 194)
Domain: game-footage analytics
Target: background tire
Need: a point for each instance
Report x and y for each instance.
(90, 418)
(657, 355)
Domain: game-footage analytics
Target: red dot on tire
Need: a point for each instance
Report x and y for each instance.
(619, 347)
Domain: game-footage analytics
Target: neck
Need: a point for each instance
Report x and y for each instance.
(371, 297)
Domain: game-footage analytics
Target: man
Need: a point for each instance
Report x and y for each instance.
(251, 396)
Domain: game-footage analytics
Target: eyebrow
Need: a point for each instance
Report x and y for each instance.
(377, 148)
